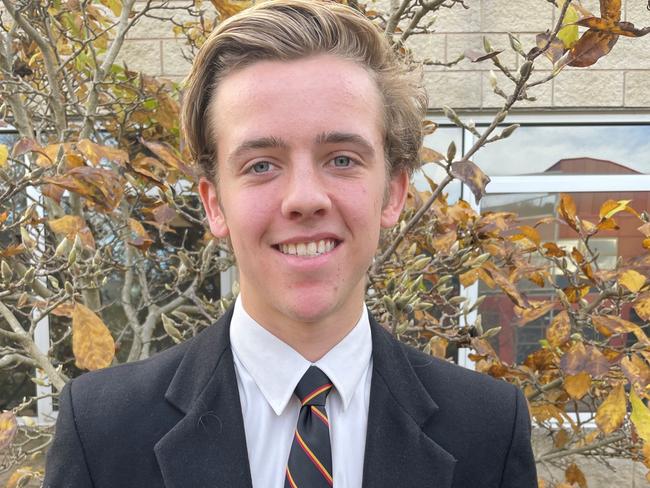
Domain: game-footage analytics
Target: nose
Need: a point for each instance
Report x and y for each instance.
(306, 193)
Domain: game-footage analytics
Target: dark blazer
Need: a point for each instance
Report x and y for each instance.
(175, 421)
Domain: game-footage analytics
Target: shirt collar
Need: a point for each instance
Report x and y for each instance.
(276, 367)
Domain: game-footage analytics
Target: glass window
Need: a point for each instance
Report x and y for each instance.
(569, 149)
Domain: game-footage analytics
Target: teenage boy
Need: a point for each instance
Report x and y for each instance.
(307, 129)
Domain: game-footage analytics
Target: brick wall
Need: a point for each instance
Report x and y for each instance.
(620, 80)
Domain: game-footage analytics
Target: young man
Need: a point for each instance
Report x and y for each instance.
(307, 128)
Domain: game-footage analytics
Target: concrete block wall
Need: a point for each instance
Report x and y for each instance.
(618, 81)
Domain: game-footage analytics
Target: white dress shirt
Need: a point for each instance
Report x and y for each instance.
(268, 371)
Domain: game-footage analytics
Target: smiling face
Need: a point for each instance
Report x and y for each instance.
(302, 188)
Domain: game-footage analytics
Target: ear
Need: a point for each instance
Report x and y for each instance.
(214, 212)
(398, 188)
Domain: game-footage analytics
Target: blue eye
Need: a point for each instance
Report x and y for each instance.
(261, 167)
(342, 161)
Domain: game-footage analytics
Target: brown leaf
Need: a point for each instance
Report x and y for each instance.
(169, 155)
(556, 48)
(141, 240)
(48, 156)
(574, 294)
(574, 475)
(531, 233)
(103, 188)
(612, 324)
(561, 438)
(534, 311)
(472, 176)
(592, 46)
(96, 152)
(567, 209)
(24, 145)
(428, 155)
(468, 278)
(560, 330)
(92, 343)
(611, 412)
(438, 346)
(71, 226)
(627, 29)
(8, 429)
(636, 370)
(553, 249)
(610, 9)
(577, 385)
(632, 280)
(642, 306)
(442, 243)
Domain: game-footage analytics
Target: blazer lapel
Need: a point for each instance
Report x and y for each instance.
(398, 451)
(207, 447)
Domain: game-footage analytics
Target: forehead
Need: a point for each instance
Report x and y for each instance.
(295, 99)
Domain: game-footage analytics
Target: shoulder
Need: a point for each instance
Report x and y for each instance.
(127, 390)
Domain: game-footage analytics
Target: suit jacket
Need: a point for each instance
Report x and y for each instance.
(175, 421)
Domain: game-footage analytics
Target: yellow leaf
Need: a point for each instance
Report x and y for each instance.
(4, 155)
(68, 224)
(8, 429)
(96, 152)
(569, 33)
(574, 475)
(560, 330)
(19, 477)
(611, 413)
(640, 416)
(642, 306)
(92, 343)
(632, 280)
(228, 8)
(577, 385)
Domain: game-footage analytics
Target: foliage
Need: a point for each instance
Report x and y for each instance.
(102, 236)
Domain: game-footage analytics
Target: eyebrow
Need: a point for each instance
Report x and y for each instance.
(338, 137)
(272, 142)
(258, 143)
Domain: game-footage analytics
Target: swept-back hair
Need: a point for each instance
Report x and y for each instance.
(286, 30)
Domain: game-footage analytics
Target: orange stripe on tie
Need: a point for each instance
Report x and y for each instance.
(290, 478)
(320, 415)
(317, 392)
(314, 459)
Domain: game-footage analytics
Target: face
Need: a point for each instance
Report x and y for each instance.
(303, 190)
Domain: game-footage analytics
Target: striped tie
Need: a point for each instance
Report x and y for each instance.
(310, 459)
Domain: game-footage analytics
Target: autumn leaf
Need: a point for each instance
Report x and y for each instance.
(168, 155)
(228, 8)
(8, 429)
(569, 34)
(555, 48)
(472, 176)
(592, 46)
(103, 188)
(642, 306)
(96, 152)
(573, 475)
(640, 416)
(553, 250)
(443, 243)
(4, 155)
(626, 29)
(574, 294)
(611, 412)
(612, 207)
(438, 347)
(567, 210)
(632, 280)
(142, 240)
(92, 343)
(531, 233)
(24, 145)
(636, 370)
(534, 311)
(71, 226)
(560, 330)
(613, 324)
(577, 385)
(428, 155)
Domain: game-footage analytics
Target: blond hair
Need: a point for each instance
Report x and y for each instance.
(286, 30)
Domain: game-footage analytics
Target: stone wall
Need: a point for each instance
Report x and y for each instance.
(621, 80)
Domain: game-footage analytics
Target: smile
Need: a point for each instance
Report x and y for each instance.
(307, 249)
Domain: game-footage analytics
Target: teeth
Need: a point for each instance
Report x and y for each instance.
(313, 248)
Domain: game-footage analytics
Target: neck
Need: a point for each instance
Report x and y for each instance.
(312, 339)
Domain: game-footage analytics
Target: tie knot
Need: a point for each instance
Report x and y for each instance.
(313, 387)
